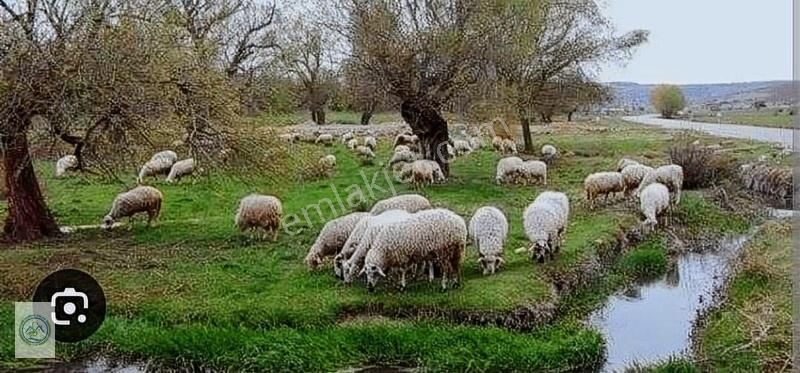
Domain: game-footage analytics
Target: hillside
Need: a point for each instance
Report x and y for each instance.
(629, 94)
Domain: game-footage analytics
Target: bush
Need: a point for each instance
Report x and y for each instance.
(667, 100)
(647, 261)
(702, 166)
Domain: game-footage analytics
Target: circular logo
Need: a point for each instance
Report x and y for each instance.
(34, 330)
(77, 301)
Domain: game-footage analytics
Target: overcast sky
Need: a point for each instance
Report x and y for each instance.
(705, 41)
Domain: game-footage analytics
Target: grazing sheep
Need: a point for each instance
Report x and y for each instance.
(497, 143)
(422, 172)
(260, 212)
(401, 148)
(669, 175)
(632, 176)
(352, 144)
(328, 163)
(347, 137)
(66, 163)
(142, 199)
(549, 153)
(625, 162)
(180, 169)
(371, 143)
(508, 169)
(653, 200)
(402, 156)
(407, 202)
(545, 221)
(461, 147)
(159, 164)
(332, 238)
(488, 230)
(437, 236)
(532, 171)
(365, 152)
(602, 184)
(509, 146)
(291, 137)
(360, 241)
(325, 138)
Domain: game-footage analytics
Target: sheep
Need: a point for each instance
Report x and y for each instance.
(669, 175)
(290, 137)
(347, 137)
(533, 170)
(351, 258)
(371, 143)
(352, 144)
(180, 169)
(497, 144)
(365, 152)
(461, 147)
(625, 162)
(632, 176)
(421, 172)
(159, 163)
(404, 139)
(488, 230)
(602, 184)
(545, 221)
(475, 143)
(549, 153)
(66, 163)
(402, 156)
(401, 148)
(328, 163)
(258, 211)
(141, 199)
(451, 152)
(437, 235)
(325, 138)
(332, 238)
(653, 200)
(508, 169)
(407, 202)
(509, 146)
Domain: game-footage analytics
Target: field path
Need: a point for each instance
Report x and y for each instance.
(781, 136)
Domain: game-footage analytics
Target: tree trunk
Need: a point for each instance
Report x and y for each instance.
(428, 124)
(569, 116)
(318, 115)
(526, 133)
(28, 216)
(365, 117)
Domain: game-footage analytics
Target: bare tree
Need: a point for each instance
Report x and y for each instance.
(305, 55)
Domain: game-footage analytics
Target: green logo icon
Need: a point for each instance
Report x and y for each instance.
(34, 330)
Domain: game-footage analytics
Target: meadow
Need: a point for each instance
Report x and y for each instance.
(193, 291)
(762, 118)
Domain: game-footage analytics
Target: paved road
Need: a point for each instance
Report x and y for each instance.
(780, 136)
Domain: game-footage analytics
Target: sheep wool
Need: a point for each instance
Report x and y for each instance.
(497, 143)
(488, 230)
(407, 202)
(325, 138)
(66, 163)
(670, 175)
(362, 238)
(602, 184)
(371, 142)
(159, 164)
(328, 163)
(437, 235)
(633, 175)
(180, 169)
(653, 201)
(402, 156)
(509, 146)
(461, 147)
(332, 238)
(347, 137)
(142, 199)
(365, 152)
(352, 144)
(532, 171)
(545, 221)
(507, 169)
(625, 162)
(258, 211)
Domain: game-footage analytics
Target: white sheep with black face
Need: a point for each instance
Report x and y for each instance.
(437, 236)
(159, 164)
(670, 175)
(332, 238)
(653, 201)
(142, 199)
(66, 163)
(351, 259)
(488, 230)
(262, 212)
(545, 221)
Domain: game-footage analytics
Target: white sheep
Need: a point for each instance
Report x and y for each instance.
(461, 147)
(475, 143)
(66, 163)
(402, 155)
(142, 199)
(625, 162)
(497, 143)
(180, 169)
(332, 238)
(654, 200)
(602, 184)
(290, 137)
(347, 137)
(422, 172)
(509, 146)
(437, 236)
(545, 221)
(488, 230)
(365, 152)
(328, 163)
(352, 144)
(401, 148)
(258, 211)
(532, 171)
(632, 176)
(351, 257)
(670, 175)
(160, 163)
(325, 138)
(508, 169)
(371, 142)
(407, 202)
(549, 153)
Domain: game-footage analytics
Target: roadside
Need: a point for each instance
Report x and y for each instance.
(774, 118)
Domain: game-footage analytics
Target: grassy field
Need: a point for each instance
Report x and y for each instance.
(192, 290)
(763, 118)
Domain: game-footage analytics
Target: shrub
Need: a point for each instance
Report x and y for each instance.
(702, 166)
(647, 261)
(667, 100)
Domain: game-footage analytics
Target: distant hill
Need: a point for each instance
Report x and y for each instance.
(632, 95)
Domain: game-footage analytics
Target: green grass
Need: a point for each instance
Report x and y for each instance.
(649, 260)
(763, 118)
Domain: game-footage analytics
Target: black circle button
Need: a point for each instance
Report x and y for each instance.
(78, 303)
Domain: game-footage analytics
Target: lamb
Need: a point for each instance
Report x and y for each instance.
(332, 238)
(509, 146)
(142, 199)
(462, 147)
(360, 241)
(352, 144)
(625, 162)
(670, 175)
(258, 211)
(347, 137)
(66, 163)
(508, 169)
(653, 200)
(545, 221)
(160, 163)
(371, 143)
(180, 169)
(328, 163)
(602, 184)
(488, 230)
(633, 175)
(549, 153)
(325, 138)
(437, 235)
(407, 202)
(497, 143)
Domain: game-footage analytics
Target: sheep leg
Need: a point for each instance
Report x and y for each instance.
(431, 272)
(402, 280)
(274, 234)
